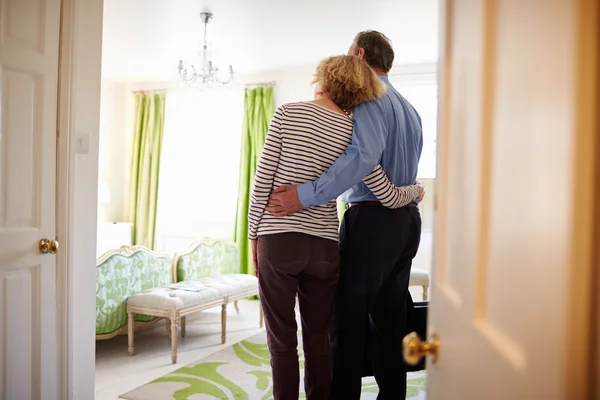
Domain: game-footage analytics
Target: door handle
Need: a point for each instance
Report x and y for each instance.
(414, 349)
(49, 246)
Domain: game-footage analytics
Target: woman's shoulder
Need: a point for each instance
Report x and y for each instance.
(295, 109)
(296, 105)
(313, 108)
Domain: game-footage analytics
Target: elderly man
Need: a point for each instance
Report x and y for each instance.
(376, 244)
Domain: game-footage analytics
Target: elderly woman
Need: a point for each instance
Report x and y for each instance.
(298, 254)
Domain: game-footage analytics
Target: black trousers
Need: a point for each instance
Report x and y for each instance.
(377, 246)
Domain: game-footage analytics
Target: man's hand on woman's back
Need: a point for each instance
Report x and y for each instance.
(284, 201)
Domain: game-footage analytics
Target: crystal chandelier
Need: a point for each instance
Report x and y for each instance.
(202, 73)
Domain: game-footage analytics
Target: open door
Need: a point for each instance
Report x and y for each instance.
(29, 47)
(513, 248)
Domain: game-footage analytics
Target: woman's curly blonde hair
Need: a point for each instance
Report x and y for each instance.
(349, 81)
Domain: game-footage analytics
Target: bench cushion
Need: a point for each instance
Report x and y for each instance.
(191, 293)
(233, 284)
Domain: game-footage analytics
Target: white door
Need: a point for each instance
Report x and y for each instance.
(29, 47)
(513, 221)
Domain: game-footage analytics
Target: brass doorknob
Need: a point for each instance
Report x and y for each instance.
(49, 246)
(54, 246)
(414, 349)
(44, 246)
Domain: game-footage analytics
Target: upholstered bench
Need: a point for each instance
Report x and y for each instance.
(205, 279)
(418, 277)
(121, 273)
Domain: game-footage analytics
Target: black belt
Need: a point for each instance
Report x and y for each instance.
(376, 204)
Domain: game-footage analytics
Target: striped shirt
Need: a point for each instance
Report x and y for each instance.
(303, 141)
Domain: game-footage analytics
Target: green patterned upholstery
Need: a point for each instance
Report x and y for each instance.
(206, 259)
(119, 274)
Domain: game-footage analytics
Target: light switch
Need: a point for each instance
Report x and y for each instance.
(83, 144)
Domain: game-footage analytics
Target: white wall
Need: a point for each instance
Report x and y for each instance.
(292, 84)
(116, 139)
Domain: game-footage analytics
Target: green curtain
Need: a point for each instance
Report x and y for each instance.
(258, 110)
(145, 166)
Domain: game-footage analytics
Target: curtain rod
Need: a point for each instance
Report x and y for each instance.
(150, 91)
(269, 83)
(163, 90)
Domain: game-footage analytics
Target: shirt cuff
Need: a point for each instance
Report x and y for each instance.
(306, 195)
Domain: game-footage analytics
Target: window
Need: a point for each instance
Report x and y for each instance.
(199, 167)
(422, 91)
(423, 95)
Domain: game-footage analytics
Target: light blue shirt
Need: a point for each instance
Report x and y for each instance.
(386, 131)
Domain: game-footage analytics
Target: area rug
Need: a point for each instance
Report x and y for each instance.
(241, 372)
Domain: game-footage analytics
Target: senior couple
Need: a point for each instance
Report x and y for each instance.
(358, 137)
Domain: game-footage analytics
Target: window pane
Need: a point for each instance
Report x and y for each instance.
(424, 98)
(199, 167)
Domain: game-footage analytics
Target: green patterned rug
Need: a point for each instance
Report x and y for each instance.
(240, 372)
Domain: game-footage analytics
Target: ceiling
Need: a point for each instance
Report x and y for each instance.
(144, 39)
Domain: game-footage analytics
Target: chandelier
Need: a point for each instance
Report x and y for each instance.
(202, 73)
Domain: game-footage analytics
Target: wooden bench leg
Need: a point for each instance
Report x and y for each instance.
(223, 323)
(261, 316)
(237, 306)
(425, 293)
(174, 335)
(168, 326)
(130, 326)
(183, 320)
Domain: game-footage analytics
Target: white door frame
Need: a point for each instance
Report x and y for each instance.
(64, 196)
(77, 186)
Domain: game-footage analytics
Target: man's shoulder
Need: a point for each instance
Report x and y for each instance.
(370, 107)
(394, 100)
(386, 103)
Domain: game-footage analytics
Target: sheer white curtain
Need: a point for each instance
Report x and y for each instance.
(199, 167)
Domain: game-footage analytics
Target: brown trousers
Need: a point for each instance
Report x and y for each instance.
(290, 264)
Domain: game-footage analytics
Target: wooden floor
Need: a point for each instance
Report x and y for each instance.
(117, 372)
